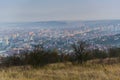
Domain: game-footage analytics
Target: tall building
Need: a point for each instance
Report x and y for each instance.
(6, 41)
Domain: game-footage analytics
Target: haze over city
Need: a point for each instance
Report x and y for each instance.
(52, 10)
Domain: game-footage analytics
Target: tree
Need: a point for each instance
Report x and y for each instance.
(80, 51)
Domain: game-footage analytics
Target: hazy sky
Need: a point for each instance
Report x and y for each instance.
(46, 10)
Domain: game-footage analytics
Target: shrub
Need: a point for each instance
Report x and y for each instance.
(99, 54)
(80, 51)
(114, 52)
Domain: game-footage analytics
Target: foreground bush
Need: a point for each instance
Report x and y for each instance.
(37, 57)
(40, 57)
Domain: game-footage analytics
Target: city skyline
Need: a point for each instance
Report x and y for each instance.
(52, 10)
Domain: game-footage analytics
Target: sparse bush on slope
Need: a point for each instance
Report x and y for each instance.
(40, 57)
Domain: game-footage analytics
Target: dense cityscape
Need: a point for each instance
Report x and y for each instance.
(16, 37)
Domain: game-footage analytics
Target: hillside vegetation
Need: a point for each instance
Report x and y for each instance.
(82, 64)
(63, 71)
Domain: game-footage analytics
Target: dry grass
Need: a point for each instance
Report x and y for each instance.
(63, 71)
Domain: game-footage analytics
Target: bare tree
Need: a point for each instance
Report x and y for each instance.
(80, 50)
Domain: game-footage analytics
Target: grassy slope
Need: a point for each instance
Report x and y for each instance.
(62, 71)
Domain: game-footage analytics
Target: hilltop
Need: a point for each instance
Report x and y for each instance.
(63, 71)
